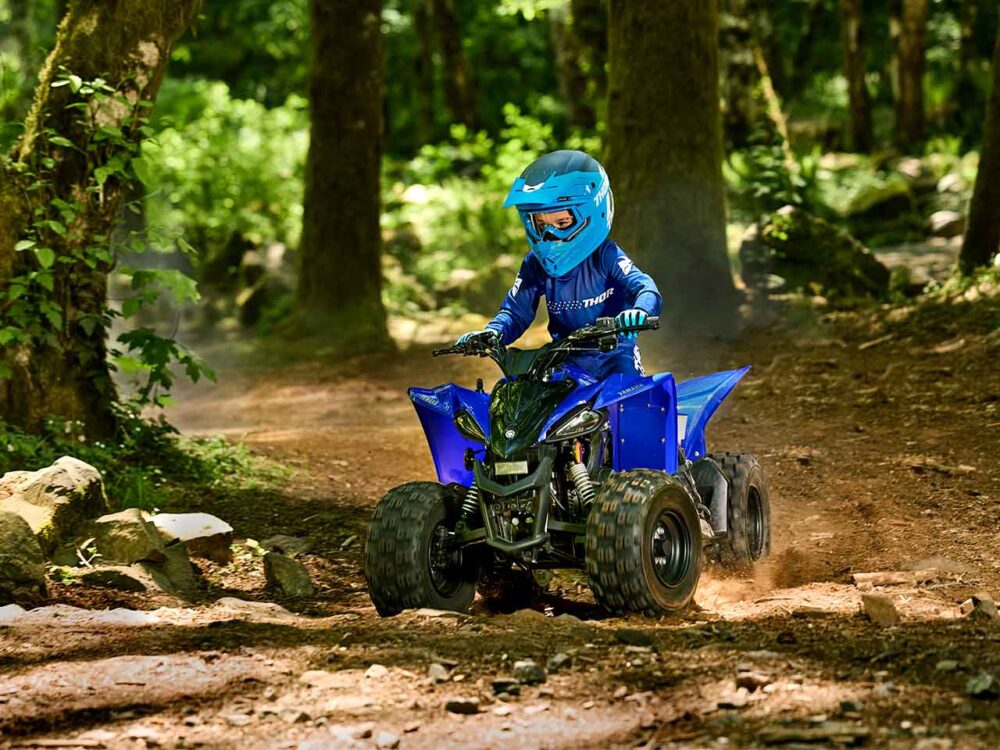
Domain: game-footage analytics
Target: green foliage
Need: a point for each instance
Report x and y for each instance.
(52, 300)
(445, 205)
(224, 168)
(761, 179)
(144, 460)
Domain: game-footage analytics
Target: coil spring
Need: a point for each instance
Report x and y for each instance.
(470, 503)
(581, 480)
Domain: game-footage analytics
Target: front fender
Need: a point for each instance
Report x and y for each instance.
(436, 409)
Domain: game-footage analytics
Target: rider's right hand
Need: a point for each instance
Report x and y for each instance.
(485, 336)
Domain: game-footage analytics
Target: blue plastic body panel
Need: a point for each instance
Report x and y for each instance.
(436, 408)
(644, 414)
(697, 401)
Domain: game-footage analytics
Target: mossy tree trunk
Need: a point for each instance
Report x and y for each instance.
(459, 91)
(340, 279)
(664, 155)
(65, 372)
(982, 240)
(854, 71)
(909, 29)
(590, 27)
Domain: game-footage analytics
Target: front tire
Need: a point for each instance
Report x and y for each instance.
(407, 560)
(644, 546)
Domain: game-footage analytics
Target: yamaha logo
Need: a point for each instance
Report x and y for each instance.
(509, 434)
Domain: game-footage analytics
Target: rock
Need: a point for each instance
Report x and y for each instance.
(462, 705)
(947, 224)
(386, 739)
(529, 672)
(634, 637)
(292, 546)
(882, 202)
(506, 685)
(983, 609)
(733, 702)
(811, 255)
(752, 680)
(287, 576)
(22, 564)
(376, 672)
(9, 613)
(557, 662)
(350, 704)
(851, 706)
(175, 574)
(203, 534)
(127, 537)
(983, 686)
(438, 673)
(238, 720)
(946, 665)
(880, 610)
(55, 501)
(119, 578)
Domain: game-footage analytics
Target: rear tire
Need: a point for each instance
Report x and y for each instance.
(644, 547)
(748, 538)
(406, 563)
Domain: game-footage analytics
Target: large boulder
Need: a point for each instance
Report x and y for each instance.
(175, 574)
(127, 537)
(810, 254)
(56, 500)
(203, 534)
(22, 564)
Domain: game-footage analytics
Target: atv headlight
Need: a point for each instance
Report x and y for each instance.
(576, 424)
(469, 427)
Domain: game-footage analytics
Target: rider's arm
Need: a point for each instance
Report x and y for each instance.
(640, 287)
(519, 306)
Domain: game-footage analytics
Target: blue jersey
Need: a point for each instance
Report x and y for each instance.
(603, 285)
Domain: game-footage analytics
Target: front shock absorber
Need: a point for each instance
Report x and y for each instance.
(581, 480)
(470, 505)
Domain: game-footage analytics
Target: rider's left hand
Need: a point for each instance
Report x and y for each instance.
(632, 317)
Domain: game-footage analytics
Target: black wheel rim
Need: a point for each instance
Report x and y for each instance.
(670, 548)
(755, 523)
(444, 563)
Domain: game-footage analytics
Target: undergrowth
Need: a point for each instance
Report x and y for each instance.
(145, 464)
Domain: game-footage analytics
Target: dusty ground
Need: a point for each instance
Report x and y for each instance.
(878, 434)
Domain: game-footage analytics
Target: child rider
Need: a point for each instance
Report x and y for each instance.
(565, 202)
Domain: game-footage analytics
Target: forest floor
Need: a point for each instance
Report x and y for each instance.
(878, 433)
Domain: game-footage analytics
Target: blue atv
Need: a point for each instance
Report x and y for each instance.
(555, 469)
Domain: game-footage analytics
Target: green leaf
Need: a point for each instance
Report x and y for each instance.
(8, 334)
(56, 226)
(54, 316)
(75, 82)
(141, 168)
(5, 371)
(59, 140)
(131, 306)
(46, 256)
(24, 245)
(46, 281)
(101, 175)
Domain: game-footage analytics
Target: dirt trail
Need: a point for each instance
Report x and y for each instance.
(880, 454)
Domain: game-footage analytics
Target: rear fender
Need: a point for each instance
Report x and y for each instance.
(697, 400)
(436, 409)
(642, 413)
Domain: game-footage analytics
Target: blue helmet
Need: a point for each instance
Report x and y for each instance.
(564, 181)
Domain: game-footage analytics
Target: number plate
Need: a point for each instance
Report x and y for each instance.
(506, 468)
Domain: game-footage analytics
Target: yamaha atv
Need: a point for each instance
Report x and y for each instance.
(555, 469)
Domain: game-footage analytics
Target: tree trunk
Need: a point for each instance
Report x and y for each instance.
(570, 68)
(340, 279)
(739, 79)
(854, 70)
(909, 28)
(590, 26)
(967, 98)
(982, 240)
(62, 369)
(664, 155)
(457, 75)
(425, 71)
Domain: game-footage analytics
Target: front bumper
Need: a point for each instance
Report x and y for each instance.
(537, 482)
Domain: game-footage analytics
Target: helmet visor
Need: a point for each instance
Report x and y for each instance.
(559, 225)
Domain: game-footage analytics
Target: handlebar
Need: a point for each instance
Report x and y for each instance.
(604, 330)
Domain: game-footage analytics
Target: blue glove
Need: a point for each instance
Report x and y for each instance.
(632, 317)
(486, 333)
